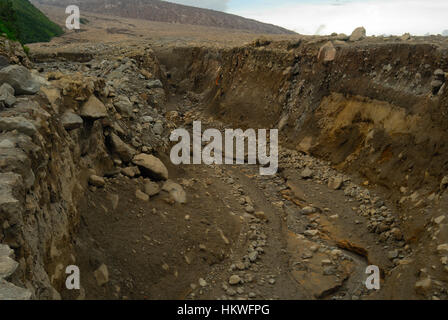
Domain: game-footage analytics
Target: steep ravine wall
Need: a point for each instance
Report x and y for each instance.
(373, 109)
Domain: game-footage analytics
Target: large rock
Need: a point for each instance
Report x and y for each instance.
(20, 79)
(102, 275)
(152, 188)
(20, 124)
(154, 84)
(7, 98)
(71, 121)
(176, 191)
(4, 62)
(151, 166)
(8, 291)
(93, 109)
(327, 52)
(123, 105)
(358, 34)
(124, 151)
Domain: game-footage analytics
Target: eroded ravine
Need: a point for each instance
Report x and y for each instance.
(360, 178)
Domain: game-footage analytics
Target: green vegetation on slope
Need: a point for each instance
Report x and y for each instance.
(20, 20)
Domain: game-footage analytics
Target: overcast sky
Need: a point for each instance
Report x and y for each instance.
(326, 16)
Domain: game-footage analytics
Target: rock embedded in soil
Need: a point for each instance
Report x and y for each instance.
(102, 275)
(176, 191)
(20, 78)
(97, 181)
(151, 188)
(234, 280)
(358, 34)
(120, 148)
(151, 166)
(71, 121)
(7, 98)
(141, 195)
(93, 109)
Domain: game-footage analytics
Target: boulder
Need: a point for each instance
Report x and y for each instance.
(176, 191)
(7, 98)
(8, 291)
(123, 105)
(20, 79)
(97, 181)
(335, 183)
(121, 149)
(71, 121)
(153, 84)
(151, 166)
(102, 275)
(20, 124)
(358, 34)
(152, 188)
(93, 109)
(141, 195)
(327, 52)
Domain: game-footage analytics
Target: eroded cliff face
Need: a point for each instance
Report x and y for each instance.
(51, 143)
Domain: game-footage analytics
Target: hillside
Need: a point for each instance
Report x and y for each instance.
(162, 11)
(21, 20)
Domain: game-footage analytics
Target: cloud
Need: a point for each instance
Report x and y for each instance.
(377, 16)
(219, 5)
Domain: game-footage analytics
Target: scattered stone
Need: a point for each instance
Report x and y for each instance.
(97, 181)
(71, 121)
(249, 209)
(93, 109)
(123, 105)
(130, 172)
(311, 233)
(8, 291)
(307, 173)
(141, 196)
(176, 191)
(253, 256)
(202, 282)
(392, 254)
(20, 78)
(442, 248)
(327, 52)
(7, 98)
(358, 34)
(308, 210)
(234, 280)
(151, 166)
(102, 275)
(154, 84)
(423, 286)
(121, 149)
(20, 124)
(439, 220)
(335, 183)
(152, 188)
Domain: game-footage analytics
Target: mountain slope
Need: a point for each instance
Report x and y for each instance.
(19, 19)
(162, 11)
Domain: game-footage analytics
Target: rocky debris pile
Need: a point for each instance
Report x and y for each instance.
(8, 266)
(11, 52)
(98, 120)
